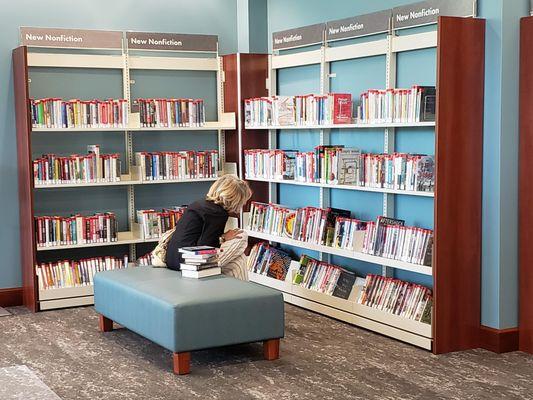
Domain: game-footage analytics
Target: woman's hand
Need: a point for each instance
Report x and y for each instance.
(232, 234)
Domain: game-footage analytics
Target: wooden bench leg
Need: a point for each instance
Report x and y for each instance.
(182, 363)
(104, 324)
(271, 349)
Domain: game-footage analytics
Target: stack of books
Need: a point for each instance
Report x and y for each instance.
(199, 262)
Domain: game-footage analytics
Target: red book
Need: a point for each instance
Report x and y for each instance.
(342, 108)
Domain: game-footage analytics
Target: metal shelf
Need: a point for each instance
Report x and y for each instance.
(420, 269)
(348, 126)
(345, 187)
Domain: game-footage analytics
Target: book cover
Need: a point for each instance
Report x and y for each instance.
(342, 108)
(349, 165)
(198, 250)
(279, 265)
(344, 285)
(425, 176)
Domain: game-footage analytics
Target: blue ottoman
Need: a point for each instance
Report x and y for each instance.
(183, 315)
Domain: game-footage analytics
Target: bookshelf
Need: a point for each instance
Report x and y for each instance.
(125, 64)
(525, 252)
(456, 202)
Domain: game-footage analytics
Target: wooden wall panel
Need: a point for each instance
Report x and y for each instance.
(459, 146)
(245, 77)
(25, 177)
(525, 219)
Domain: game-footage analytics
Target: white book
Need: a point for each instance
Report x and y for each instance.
(201, 274)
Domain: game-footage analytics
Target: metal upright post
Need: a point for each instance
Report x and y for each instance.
(325, 193)
(388, 144)
(272, 133)
(220, 112)
(126, 82)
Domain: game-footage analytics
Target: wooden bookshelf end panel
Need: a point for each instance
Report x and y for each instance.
(525, 250)
(25, 177)
(459, 146)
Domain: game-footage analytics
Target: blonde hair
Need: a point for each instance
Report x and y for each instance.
(230, 192)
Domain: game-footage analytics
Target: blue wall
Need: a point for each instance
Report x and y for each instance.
(200, 16)
(499, 259)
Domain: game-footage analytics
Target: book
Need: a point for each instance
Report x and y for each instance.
(198, 250)
(199, 267)
(342, 108)
(344, 285)
(202, 273)
(198, 259)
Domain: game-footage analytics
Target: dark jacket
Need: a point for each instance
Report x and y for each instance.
(202, 224)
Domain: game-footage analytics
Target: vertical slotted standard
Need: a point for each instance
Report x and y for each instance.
(389, 135)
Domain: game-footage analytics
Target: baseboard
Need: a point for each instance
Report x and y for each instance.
(10, 297)
(499, 340)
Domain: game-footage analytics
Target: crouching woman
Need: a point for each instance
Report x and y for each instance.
(203, 223)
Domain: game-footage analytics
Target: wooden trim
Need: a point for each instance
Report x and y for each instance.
(182, 363)
(271, 349)
(25, 177)
(11, 297)
(525, 199)
(104, 324)
(499, 340)
(459, 152)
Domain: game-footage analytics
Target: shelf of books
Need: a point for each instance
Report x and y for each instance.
(110, 209)
(375, 183)
(336, 292)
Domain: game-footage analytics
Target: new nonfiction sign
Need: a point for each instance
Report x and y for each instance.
(428, 12)
(361, 25)
(298, 37)
(171, 41)
(70, 38)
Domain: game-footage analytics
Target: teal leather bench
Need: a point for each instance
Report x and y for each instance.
(183, 315)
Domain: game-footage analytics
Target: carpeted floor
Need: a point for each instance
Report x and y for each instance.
(320, 359)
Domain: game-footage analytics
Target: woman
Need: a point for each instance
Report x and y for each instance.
(203, 223)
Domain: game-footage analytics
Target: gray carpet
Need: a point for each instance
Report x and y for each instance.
(320, 359)
(20, 383)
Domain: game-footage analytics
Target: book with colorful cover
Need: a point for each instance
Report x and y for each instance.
(279, 263)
